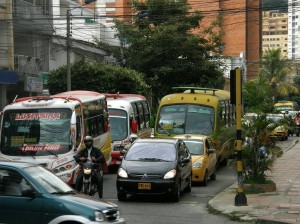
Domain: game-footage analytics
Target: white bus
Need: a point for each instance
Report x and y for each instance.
(128, 114)
(48, 130)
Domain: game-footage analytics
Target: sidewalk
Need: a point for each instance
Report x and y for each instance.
(281, 206)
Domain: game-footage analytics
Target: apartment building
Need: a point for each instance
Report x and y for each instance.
(241, 29)
(293, 29)
(275, 31)
(33, 42)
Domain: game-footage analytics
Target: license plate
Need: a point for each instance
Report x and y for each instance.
(144, 186)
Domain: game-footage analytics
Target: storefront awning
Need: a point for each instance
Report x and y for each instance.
(8, 77)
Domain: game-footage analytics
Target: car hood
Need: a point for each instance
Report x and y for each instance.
(148, 167)
(88, 201)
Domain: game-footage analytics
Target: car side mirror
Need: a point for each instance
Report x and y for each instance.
(28, 192)
(210, 151)
(185, 161)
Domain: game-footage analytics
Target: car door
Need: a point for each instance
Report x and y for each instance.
(15, 208)
(211, 157)
(186, 167)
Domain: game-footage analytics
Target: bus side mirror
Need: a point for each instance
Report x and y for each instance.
(134, 126)
(73, 130)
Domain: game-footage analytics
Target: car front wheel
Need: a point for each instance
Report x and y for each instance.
(188, 188)
(176, 194)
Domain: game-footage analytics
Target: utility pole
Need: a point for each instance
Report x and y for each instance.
(69, 42)
(68, 50)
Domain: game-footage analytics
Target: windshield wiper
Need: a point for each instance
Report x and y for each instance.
(153, 159)
(64, 192)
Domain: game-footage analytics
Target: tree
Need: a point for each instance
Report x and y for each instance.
(161, 45)
(257, 96)
(274, 69)
(94, 76)
(257, 134)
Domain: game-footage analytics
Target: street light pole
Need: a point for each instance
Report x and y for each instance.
(69, 43)
(68, 50)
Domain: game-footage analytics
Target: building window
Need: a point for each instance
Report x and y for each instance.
(110, 9)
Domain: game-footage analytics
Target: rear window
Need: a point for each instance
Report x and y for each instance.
(157, 150)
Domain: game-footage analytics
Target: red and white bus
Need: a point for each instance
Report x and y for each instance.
(128, 114)
(48, 130)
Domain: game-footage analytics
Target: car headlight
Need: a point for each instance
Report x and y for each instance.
(99, 217)
(122, 173)
(197, 164)
(171, 174)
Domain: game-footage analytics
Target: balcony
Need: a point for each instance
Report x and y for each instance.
(28, 17)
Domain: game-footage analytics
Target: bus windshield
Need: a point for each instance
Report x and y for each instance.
(118, 124)
(186, 119)
(36, 132)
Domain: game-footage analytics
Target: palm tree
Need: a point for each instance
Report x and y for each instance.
(275, 69)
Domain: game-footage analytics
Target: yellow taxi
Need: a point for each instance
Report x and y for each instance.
(280, 129)
(204, 159)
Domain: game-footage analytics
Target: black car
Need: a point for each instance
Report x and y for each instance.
(155, 166)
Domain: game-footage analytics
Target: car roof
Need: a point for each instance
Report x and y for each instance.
(157, 140)
(16, 164)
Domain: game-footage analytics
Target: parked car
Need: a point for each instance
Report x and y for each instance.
(280, 129)
(249, 118)
(31, 194)
(204, 158)
(155, 166)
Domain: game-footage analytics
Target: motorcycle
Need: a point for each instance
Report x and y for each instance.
(90, 186)
(297, 128)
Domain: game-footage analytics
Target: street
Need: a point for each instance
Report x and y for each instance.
(190, 209)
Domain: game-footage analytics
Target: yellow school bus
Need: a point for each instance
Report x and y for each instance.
(202, 111)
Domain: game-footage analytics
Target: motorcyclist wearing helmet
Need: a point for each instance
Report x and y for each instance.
(95, 155)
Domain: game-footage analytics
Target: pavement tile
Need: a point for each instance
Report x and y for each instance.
(282, 206)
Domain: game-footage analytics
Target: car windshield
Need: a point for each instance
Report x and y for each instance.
(154, 151)
(36, 132)
(49, 181)
(274, 118)
(195, 147)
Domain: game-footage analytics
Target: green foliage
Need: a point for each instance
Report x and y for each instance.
(274, 69)
(256, 134)
(94, 76)
(257, 96)
(161, 46)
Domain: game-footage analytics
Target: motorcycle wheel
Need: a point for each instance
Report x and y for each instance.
(93, 190)
(86, 188)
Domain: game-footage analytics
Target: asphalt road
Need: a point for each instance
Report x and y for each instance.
(190, 209)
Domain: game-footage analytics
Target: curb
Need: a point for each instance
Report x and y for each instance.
(242, 216)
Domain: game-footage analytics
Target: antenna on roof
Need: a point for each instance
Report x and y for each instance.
(15, 99)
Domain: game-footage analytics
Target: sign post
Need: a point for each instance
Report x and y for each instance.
(236, 91)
